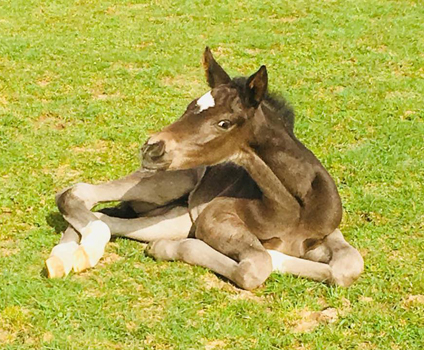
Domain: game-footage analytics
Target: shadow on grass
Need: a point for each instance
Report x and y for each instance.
(56, 221)
(43, 272)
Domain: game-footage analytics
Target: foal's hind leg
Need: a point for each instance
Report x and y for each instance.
(316, 271)
(333, 261)
(157, 188)
(75, 204)
(61, 258)
(173, 224)
(346, 262)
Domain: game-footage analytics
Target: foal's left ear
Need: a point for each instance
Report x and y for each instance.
(256, 87)
(215, 74)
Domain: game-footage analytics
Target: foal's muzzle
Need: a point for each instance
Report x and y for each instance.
(153, 156)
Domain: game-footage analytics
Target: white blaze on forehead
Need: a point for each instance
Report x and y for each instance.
(206, 101)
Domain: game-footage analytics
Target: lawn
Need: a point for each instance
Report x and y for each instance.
(82, 84)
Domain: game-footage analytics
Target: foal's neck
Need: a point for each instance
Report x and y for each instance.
(263, 161)
(272, 188)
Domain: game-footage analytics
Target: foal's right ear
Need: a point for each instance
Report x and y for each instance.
(256, 87)
(215, 75)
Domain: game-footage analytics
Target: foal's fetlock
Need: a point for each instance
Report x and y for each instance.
(95, 236)
(60, 262)
(347, 269)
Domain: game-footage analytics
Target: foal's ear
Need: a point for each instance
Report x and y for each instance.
(215, 75)
(256, 87)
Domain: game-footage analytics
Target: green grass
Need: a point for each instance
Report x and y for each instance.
(82, 83)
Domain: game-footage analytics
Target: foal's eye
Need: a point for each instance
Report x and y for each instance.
(225, 124)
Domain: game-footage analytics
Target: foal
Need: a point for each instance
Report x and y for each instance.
(228, 186)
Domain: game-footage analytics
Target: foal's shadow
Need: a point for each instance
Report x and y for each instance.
(56, 221)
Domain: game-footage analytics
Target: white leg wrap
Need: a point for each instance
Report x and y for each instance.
(279, 260)
(95, 236)
(65, 252)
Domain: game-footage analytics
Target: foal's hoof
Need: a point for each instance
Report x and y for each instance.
(55, 268)
(162, 249)
(81, 260)
(151, 250)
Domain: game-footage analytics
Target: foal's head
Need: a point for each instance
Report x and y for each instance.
(214, 128)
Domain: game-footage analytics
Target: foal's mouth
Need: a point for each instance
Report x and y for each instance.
(154, 166)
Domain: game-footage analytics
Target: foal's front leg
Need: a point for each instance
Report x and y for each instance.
(224, 244)
(220, 227)
(76, 202)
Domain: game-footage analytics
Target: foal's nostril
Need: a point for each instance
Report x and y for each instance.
(155, 150)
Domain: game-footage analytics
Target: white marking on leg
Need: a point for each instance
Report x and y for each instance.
(279, 260)
(205, 102)
(95, 236)
(299, 267)
(65, 252)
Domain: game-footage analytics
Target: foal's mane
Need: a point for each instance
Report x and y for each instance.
(283, 112)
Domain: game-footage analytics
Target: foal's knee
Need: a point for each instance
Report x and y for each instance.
(346, 266)
(252, 272)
